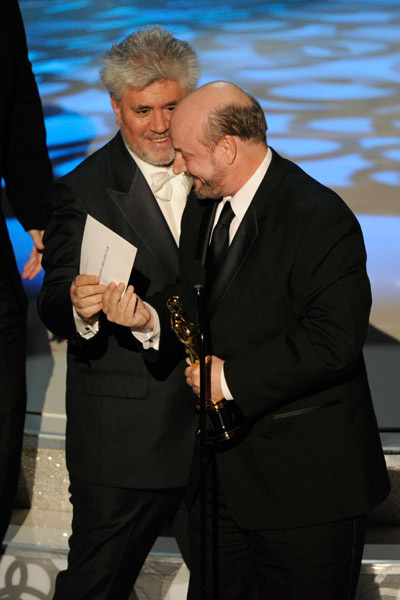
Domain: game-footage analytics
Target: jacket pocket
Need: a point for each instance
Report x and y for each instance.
(305, 411)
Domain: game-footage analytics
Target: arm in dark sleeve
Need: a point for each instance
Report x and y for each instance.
(61, 258)
(27, 169)
(168, 344)
(322, 342)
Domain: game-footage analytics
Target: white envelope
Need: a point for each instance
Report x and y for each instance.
(105, 253)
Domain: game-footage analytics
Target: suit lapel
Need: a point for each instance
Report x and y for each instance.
(141, 211)
(238, 250)
(206, 225)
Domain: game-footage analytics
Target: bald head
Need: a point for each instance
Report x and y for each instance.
(221, 108)
(219, 135)
(212, 95)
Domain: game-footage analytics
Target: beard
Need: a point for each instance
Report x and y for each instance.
(206, 189)
(210, 188)
(162, 157)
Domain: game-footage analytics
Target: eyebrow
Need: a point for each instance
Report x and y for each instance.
(146, 106)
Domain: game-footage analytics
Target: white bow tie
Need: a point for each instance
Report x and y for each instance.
(163, 184)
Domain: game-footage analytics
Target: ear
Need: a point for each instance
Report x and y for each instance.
(228, 149)
(116, 109)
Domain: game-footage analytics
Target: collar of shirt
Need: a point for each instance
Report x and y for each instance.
(241, 201)
(147, 169)
(171, 210)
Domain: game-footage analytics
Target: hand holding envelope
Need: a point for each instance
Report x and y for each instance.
(126, 308)
(87, 297)
(105, 267)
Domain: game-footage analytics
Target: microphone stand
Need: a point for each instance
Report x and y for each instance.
(198, 289)
(204, 389)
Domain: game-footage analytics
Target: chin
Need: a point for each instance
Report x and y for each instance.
(206, 191)
(204, 194)
(160, 161)
(158, 158)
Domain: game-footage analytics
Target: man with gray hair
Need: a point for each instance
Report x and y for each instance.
(129, 433)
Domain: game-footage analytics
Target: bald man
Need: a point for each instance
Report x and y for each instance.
(288, 311)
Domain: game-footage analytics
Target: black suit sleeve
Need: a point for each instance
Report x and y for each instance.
(61, 258)
(26, 167)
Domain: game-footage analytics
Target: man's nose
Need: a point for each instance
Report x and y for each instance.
(160, 121)
(179, 165)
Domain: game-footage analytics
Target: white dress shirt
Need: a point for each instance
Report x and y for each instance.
(171, 197)
(241, 201)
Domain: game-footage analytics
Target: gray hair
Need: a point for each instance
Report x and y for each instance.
(146, 56)
(246, 121)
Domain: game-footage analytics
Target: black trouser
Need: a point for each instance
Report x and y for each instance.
(113, 530)
(12, 396)
(321, 562)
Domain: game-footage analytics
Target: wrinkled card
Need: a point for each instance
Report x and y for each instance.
(105, 253)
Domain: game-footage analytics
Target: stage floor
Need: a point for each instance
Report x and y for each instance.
(37, 545)
(28, 573)
(162, 578)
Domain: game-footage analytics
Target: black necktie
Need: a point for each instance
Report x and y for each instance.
(219, 244)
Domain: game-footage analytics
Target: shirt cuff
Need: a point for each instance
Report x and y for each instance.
(224, 386)
(150, 339)
(85, 329)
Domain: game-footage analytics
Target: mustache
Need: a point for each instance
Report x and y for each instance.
(154, 138)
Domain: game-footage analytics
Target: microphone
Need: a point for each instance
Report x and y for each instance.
(195, 276)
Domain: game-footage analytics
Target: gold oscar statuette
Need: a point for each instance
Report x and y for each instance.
(223, 417)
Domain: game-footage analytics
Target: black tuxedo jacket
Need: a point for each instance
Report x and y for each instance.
(288, 312)
(24, 162)
(125, 426)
